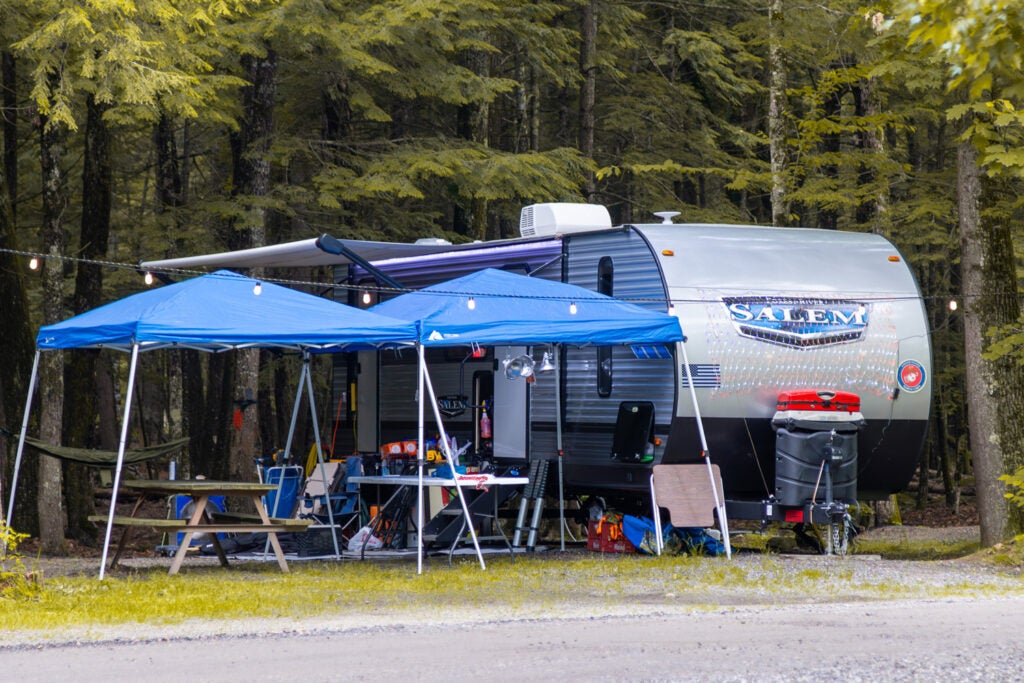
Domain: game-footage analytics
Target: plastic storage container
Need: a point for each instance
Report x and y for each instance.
(813, 428)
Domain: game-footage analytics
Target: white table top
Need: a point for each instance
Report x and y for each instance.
(463, 480)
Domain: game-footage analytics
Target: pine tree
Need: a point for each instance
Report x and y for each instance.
(978, 42)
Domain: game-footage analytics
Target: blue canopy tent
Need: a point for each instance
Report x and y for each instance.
(215, 312)
(498, 307)
(491, 307)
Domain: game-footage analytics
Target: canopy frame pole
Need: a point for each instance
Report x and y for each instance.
(300, 385)
(451, 463)
(319, 451)
(121, 446)
(555, 351)
(659, 542)
(295, 414)
(420, 456)
(306, 382)
(21, 447)
(723, 522)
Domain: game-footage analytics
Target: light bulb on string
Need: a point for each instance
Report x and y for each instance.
(572, 308)
(952, 305)
(367, 298)
(148, 279)
(33, 263)
(471, 304)
(258, 289)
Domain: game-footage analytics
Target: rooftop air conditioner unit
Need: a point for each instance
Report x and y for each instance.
(552, 219)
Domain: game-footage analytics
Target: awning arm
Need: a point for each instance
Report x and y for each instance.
(332, 245)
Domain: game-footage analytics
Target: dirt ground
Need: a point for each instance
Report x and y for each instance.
(935, 521)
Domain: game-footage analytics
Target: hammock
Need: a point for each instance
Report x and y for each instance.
(97, 458)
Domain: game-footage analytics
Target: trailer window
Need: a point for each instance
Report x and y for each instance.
(605, 285)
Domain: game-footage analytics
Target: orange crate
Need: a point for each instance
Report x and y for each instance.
(608, 538)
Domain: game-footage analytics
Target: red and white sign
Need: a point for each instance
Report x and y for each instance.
(911, 376)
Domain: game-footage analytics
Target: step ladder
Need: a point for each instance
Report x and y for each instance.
(533, 491)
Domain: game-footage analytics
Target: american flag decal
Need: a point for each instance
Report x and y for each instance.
(705, 375)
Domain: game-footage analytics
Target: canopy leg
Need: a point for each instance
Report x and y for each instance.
(122, 444)
(21, 449)
(723, 522)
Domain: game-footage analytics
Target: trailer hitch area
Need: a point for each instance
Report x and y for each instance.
(832, 453)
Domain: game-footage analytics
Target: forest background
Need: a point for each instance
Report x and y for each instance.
(143, 129)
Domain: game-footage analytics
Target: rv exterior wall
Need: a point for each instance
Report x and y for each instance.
(590, 416)
(767, 310)
(764, 310)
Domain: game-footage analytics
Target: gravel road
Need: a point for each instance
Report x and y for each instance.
(953, 640)
(930, 621)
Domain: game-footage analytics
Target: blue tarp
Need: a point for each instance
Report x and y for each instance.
(497, 307)
(675, 540)
(221, 311)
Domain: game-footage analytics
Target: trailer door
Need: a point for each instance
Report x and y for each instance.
(511, 409)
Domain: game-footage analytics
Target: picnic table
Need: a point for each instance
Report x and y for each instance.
(201, 521)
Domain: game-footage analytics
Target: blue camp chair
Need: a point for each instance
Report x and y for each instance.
(343, 494)
(283, 501)
(183, 509)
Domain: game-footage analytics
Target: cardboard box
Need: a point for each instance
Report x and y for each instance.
(607, 539)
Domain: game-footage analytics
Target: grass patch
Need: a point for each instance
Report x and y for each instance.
(916, 550)
(543, 585)
(1009, 555)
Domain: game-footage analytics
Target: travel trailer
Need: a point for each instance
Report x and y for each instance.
(769, 314)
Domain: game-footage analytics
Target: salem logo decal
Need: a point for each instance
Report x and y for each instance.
(911, 376)
(799, 323)
(452, 405)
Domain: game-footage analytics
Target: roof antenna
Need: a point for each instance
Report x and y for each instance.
(666, 216)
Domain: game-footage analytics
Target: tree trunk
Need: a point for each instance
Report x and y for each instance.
(195, 404)
(10, 124)
(874, 212)
(522, 125)
(828, 218)
(994, 387)
(924, 466)
(885, 511)
(252, 175)
(777, 114)
(588, 88)
(186, 400)
(16, 342)
(50, 500)
(80, 374)
(473, 125)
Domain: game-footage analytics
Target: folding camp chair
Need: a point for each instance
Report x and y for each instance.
(342, 495)
(282, 501)
(686, 492)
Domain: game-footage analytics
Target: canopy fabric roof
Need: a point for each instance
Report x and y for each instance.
(515, 309)
(221, 311)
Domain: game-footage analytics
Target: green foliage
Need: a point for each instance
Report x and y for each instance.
(979, 43)
(16, 582)
(409, 171)
(134, 55)
(392, 118)
(1015, 483)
